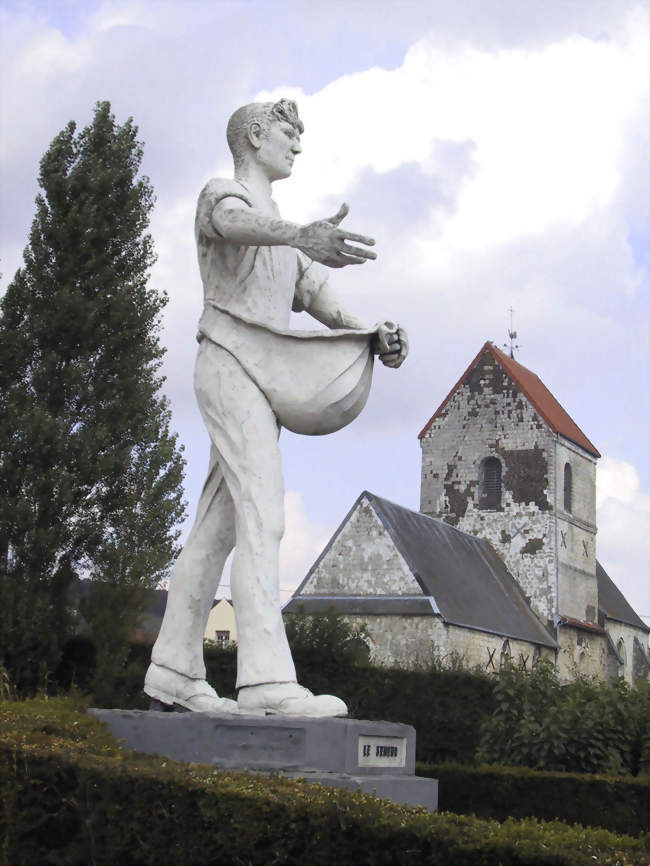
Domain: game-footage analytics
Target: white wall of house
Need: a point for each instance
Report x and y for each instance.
(221, 626)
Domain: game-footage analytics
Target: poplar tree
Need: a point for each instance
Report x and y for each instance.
(90, 474)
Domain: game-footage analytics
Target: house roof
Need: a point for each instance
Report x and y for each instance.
(535, 392)
(461, 577)
(613, 603)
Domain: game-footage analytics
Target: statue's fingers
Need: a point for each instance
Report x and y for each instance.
(359, 239)
(346, 259)
(349, 250)
(341, 214)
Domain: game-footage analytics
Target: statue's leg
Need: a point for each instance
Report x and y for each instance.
(195, 578)
(244, 431)
(176, 676)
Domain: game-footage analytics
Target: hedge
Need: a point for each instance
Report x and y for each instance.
(618, 803)
(71, 796)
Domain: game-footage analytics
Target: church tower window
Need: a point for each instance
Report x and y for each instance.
(490, 483)
(568, 487)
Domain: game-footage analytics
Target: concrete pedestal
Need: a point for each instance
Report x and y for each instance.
(374, 757)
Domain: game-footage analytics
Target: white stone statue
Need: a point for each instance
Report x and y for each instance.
(252, 377)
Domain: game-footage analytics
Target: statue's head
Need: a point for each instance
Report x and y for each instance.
(251, 125)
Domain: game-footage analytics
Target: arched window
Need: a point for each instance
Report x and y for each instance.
(620, 646)
(568, 487)
(490, 483)
(504, 659)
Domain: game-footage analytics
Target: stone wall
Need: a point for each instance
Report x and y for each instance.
(404, 641)
(622, 635)
(582, 653)
(487, 651)
(576, 534)
(488, 416)
(416, 641)
(362, 560)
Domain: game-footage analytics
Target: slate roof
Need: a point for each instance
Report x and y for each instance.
(613, 603)
(535, 392)
(462, 578)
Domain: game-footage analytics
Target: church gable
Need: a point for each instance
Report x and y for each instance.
(529, 385)
(361, 560)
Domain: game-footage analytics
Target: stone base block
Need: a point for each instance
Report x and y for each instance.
(361, 755)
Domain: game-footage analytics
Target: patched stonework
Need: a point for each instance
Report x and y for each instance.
(362, 560)
(488, 416)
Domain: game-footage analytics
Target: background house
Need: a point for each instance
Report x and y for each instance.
(221, 626)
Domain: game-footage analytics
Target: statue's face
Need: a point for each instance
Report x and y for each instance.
(278, 149)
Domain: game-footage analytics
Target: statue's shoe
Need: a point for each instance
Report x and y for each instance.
(288, 699)
(171, 688)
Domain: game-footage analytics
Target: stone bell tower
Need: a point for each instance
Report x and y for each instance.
(502, 459)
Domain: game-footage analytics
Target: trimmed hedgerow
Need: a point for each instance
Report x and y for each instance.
(71, 796)
(618, 803)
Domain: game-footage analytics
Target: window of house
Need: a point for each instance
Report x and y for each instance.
(222, 638)
(504, 659)
(568, 487)
(620, 646)
(490, 483)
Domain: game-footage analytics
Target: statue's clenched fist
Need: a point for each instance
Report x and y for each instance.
(391, 344)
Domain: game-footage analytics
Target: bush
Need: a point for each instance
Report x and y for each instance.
(586, 726)
(621, 804)
(71, 796)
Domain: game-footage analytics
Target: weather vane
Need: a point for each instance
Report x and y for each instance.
(512, 334)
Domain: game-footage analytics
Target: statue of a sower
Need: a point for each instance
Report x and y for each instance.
(253, 376)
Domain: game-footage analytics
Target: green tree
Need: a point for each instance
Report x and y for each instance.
(90, 474)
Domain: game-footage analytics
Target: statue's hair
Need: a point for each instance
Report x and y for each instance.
(262, 113)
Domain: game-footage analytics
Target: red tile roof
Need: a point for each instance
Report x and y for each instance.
(535, 392)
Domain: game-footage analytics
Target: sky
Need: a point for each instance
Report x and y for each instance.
(496, 150)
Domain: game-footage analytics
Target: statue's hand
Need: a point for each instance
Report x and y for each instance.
(324, 242)
(391, 344)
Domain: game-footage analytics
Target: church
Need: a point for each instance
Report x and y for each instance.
(500, 562)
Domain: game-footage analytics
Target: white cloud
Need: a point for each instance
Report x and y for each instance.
(623, 537)
(302, 543)
(617, 481)
(546, 125)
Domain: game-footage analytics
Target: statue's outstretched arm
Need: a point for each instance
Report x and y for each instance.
(322, 240)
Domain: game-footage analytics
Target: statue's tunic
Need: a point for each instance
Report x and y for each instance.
(262, 284)
(315, 381)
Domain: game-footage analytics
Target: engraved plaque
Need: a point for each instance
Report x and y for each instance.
(382, 751)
